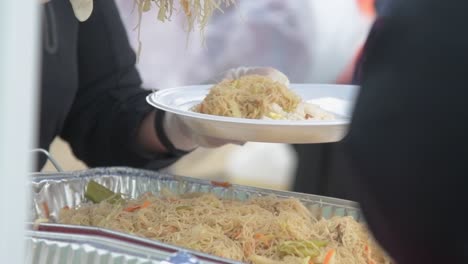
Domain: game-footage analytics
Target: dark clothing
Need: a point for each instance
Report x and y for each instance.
(406, 155)
(91, 93)
(407, 145)
(321, 169)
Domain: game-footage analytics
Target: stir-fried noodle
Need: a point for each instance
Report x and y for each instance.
(260, 230)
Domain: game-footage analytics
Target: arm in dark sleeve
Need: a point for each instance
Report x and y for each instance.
(407, 145)
(110, 105)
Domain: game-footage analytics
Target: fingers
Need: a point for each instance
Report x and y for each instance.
(269, 72)
(236, 73)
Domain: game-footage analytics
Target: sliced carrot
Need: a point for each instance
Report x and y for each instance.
(258, 236)
(311, 262)
(146, 204)
(136, 207)
(221, 184)
(329, 257)
(132, 208)
(368, 255)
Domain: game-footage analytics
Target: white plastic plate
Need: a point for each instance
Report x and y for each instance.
(337, 99)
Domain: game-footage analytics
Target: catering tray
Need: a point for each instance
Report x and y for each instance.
(47, 248)
(61, 189)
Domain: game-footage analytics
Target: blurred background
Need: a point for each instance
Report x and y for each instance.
(319, 41)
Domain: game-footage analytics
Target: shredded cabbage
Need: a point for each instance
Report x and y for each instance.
(302, 249)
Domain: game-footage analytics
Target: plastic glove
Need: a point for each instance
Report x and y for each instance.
(272, 73)
(180, 134)
(182, 137)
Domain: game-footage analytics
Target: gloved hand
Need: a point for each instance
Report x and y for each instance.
(182, 137)
(270, 72)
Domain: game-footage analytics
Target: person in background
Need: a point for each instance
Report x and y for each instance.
(92, 95)
(407, 148)
(265, 33)
(257, 31)
(311, 41)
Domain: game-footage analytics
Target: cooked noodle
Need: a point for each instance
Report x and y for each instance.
(260, 230)
(258, 97)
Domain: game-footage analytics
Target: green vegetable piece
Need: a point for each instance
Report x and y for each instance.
(183, 207)
(97, 193)
(305, 248)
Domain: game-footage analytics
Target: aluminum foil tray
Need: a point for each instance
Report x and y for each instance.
(48, 248)
(59, 248)
(67, 189)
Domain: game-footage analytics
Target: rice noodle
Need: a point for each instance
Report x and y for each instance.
(259, 230)
(258, 97)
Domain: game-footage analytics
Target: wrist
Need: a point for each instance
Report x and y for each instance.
(173, 134)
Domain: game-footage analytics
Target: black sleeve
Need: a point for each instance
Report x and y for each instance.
(110, 104)
(407, 144)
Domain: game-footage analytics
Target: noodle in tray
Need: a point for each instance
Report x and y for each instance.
(260, 230)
